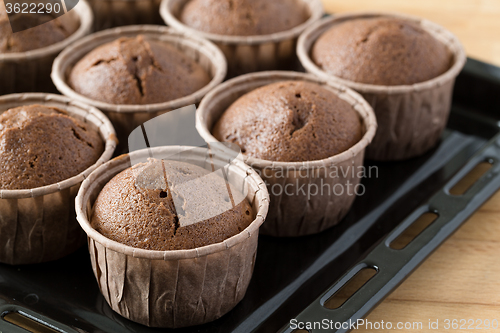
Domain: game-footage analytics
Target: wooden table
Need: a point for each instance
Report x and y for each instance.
(461, 280)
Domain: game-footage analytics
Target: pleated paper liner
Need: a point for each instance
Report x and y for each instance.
(39, 224)
(411, 118)
(115, 13)
(247, 54)
(174, 288)
(30, 71)
(302, 212)
(126, 118)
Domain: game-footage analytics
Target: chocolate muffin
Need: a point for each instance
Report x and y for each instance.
(42, 145)
(381, 51)
(51, 32)
(290, 121)
(137, 71)
(169, 205)
(243, 17)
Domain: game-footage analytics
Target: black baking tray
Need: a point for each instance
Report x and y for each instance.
(293, 276)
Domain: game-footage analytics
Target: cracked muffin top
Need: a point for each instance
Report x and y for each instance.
(381, 51)
(290, 121)
(243, 17)
(40, 36)
(169, 205)
(42, 145)
(137, 71)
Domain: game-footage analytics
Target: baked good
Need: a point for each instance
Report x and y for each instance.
(42, 145)
(215, 277)
(138, 208)
(243, 17)
(381, 51)
(51, 32)
(137, 71)
(290, 121)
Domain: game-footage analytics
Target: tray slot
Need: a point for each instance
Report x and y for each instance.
(27, 324)
(17, 319)
(464, 184)
(350, 288)
(394, 266)
(412, 231)
(476, 174)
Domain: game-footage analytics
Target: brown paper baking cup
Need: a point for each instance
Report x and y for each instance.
(30, 71)
(39, 224)
(410, 118)
(295, 209)
(173, 288)
(126, 118)
(115, 13)
(247, 54)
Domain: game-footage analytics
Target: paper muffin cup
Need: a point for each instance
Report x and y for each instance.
(247, 54)
(30, 71)
(115, 13)
(175, 288)
(126, 118)
(39, 224)
(410, 118)
(294, 210)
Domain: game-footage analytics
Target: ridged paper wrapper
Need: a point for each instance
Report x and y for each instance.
(115, 13)
(126, 118)
(39, 224)
(301, 213)
(247, 54)
(410, 118)
(30, 71)
(175, 288)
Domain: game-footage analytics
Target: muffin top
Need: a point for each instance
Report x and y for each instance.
(42, 145)
(290, 121)
(137, 71)
(169, 205)
(40, 36)
(243, 17)
(381, 51)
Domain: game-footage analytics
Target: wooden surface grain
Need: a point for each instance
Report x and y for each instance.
(461, 280)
